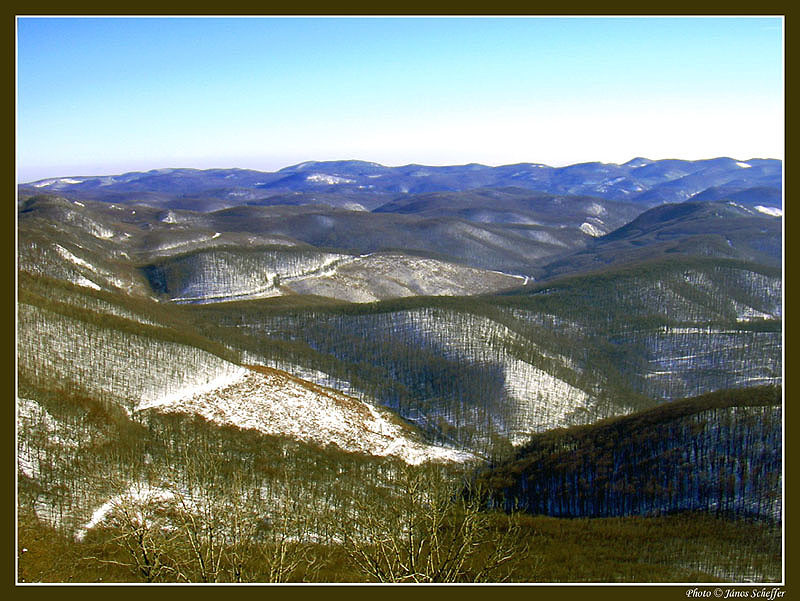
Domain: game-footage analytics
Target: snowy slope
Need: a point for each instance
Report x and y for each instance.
(140, 371)
(394, 275)
(539, 399)
(57, 350)
(217, 275)
(276, 403)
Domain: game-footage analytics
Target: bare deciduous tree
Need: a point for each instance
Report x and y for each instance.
(426, 530)
(138, 519)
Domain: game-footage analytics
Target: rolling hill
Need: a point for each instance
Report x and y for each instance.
(302, 347)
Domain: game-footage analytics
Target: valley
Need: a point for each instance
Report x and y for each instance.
(277, 371)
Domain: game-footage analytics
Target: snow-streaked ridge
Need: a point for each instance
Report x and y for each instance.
(221, 381)
(275, 403)
(73, 259)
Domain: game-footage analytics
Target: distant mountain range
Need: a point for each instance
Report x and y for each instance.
(365, 185)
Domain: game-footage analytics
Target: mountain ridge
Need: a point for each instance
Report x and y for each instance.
(647, 182)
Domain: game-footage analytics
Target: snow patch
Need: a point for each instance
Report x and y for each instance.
(741, 207)
(57, 181)
(746, 314)
(98, 231)
(596, 209)
(744, 165)
(86, 283)
(323, 178)
(188, 241)
(591, 230)
(773, 211)
(31, 414)
(73, 259)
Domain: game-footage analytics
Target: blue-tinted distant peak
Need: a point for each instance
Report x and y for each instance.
(638, 162)
(353, 166)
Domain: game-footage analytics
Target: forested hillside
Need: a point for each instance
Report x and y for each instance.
(574, 351)
(300, 378)
(720, 453)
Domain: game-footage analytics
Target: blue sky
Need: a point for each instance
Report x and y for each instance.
(109, 95)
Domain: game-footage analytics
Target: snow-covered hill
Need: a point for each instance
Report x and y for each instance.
(394, 275)
(274, 402)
